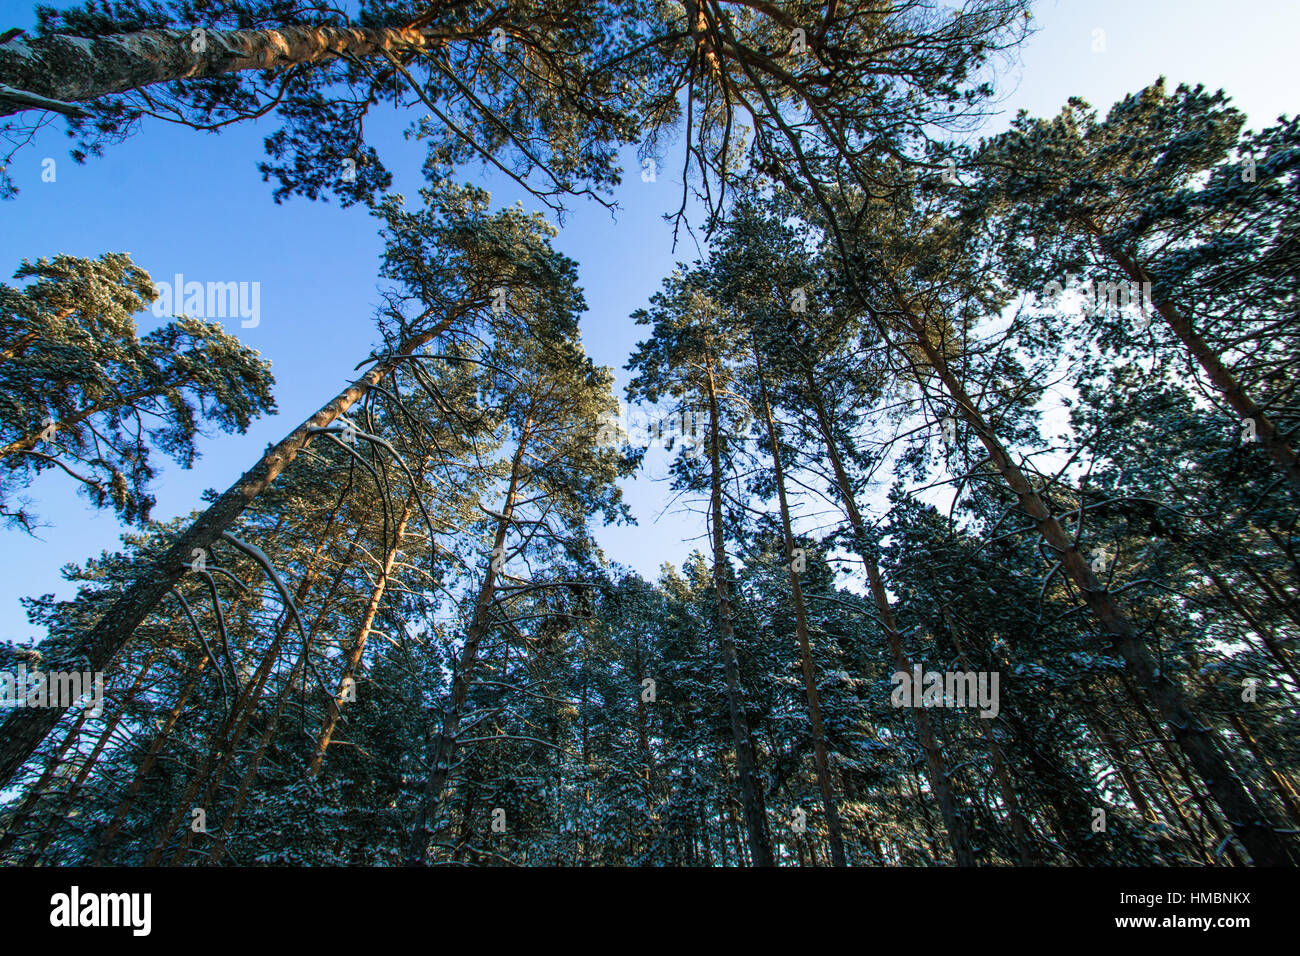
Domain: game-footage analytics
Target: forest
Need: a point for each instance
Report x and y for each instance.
(988, 441)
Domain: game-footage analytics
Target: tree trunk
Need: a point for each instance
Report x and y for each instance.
(1207, 807)
(1173, 808)
(1281, 785)
(1265, 633)
(643, 725)
(352, 660)
(801, 633)
(1098, 725)
(1006, 787)
(22, 732)
(254, 762)
(34, 793)
(1250, 822)
(88, 764)
(751, 796)
(936, 767)
(146, 765)
(442, 750)
(69, 69)
(225, 742)
(1222, 378)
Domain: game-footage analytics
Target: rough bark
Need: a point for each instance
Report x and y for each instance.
(70, 69)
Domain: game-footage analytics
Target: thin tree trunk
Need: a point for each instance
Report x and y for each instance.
(1281, 785)
(352, 660)
(1207, 807)
(751, 796)
(1265, 634)
(87, 765)
(222, 744)
(146, 765)
(1006, 787)
(1098, 725)
(250, 774)
(1173, 807)
(643, 724)
(936, 766)
(37, 789)
(225, 742)
(442, 750)
(933, 838)
(1220, 375)
(801, 633)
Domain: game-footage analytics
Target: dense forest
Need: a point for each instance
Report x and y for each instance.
(988, 439)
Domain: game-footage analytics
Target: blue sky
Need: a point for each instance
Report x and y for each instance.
(154, 197)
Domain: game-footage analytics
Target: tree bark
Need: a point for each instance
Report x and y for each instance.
(801, 633)
(751, 796)
(70, 69)
(88, 764)
(1257, 832)
(224, 742)
(352, 660)
(1002, 772)
(1266, 433)
(146, 765)
(936, 767)
(22, 732)
(442, 750)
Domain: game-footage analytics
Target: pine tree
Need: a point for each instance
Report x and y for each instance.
(84, 393)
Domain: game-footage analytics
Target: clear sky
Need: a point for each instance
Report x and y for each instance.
(193, 203)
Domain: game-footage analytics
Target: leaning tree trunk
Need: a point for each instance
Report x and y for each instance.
(218, 848)
(24, 730)
(1249, 821)
(801, 633)
(1266, 432)
(61, 814)
(109, 834)
(1002, 772)
(760, 846)
(936, 766)
(223, 748)
(442, 750)
(18, 821)
(352, 660)
(54, 71)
